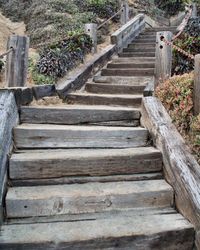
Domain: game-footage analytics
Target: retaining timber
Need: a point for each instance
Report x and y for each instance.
(8, 119)
(181, 169)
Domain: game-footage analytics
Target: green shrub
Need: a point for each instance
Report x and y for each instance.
(171, 7)
(176, 94)
(56, 59)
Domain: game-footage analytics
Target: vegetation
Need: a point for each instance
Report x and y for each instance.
(190, 42)
(49, 19)
(176, 95)
(170, 7)
(61, 57)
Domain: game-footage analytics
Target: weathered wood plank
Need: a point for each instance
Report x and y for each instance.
(17, 61)
(60, 136)
(181, 169)
(127, 72)
(196, 92)
(96, 162)
(86, 198)
(163, 66)
(78, 114)
(158, 231)
(103, 88)
(87, 179)
(104, 99)
(134, 80)
(8, 119)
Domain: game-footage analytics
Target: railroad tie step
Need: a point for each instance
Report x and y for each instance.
(120, 80)
(39, 201)
(128, 72)
(130, 65)
(41, 164)
(105, 99)
(137, 54)
(69, 136)
(126, 230)
(109, 88)
(78, 114)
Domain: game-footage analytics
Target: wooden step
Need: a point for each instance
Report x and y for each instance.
(51, 200)
(144, 41)
(131, 50)
(138, 231)
(130, 65)
(34, 164)
(107, 88)
(105, 99)
(66, 136)
(134, 60)
(128, 72)
(87, 179)
(157, 29)
(137, 54)
(147, 36)
(134, 80)
(77, 114)
(142, 45)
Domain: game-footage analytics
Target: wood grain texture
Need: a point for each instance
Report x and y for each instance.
(134, 80)
(159, 231)
(163, 65)
(86, 198)
(86, 162)
(128, 72)
(196, 92)
(181, 169)
(104, 99)
(77, 114)
(60, 136)
(8, 119)
(17, 61)
(87, 179)
(103, 88)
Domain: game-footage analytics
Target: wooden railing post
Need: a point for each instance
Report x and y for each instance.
(91, 30)
(196, 95)
(194, 10)
(163, 65)
(125, 12)
(17, 61)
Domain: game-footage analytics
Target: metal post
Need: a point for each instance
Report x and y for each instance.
(91, 30)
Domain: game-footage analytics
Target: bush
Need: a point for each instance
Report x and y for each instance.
(171, 7)
(57, 59)
(190, 42)
(1, 65)
(176, 95)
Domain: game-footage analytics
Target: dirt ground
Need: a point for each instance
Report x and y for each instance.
(7, 28)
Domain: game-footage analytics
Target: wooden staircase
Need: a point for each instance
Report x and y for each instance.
(86, 175)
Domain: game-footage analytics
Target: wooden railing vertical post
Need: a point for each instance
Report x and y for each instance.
(91, 30)
(196, 95)
(194, 10)
(17, 61)
(163, 65)
(124, 13)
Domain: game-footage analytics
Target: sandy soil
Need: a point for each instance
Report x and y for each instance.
(7, 28)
